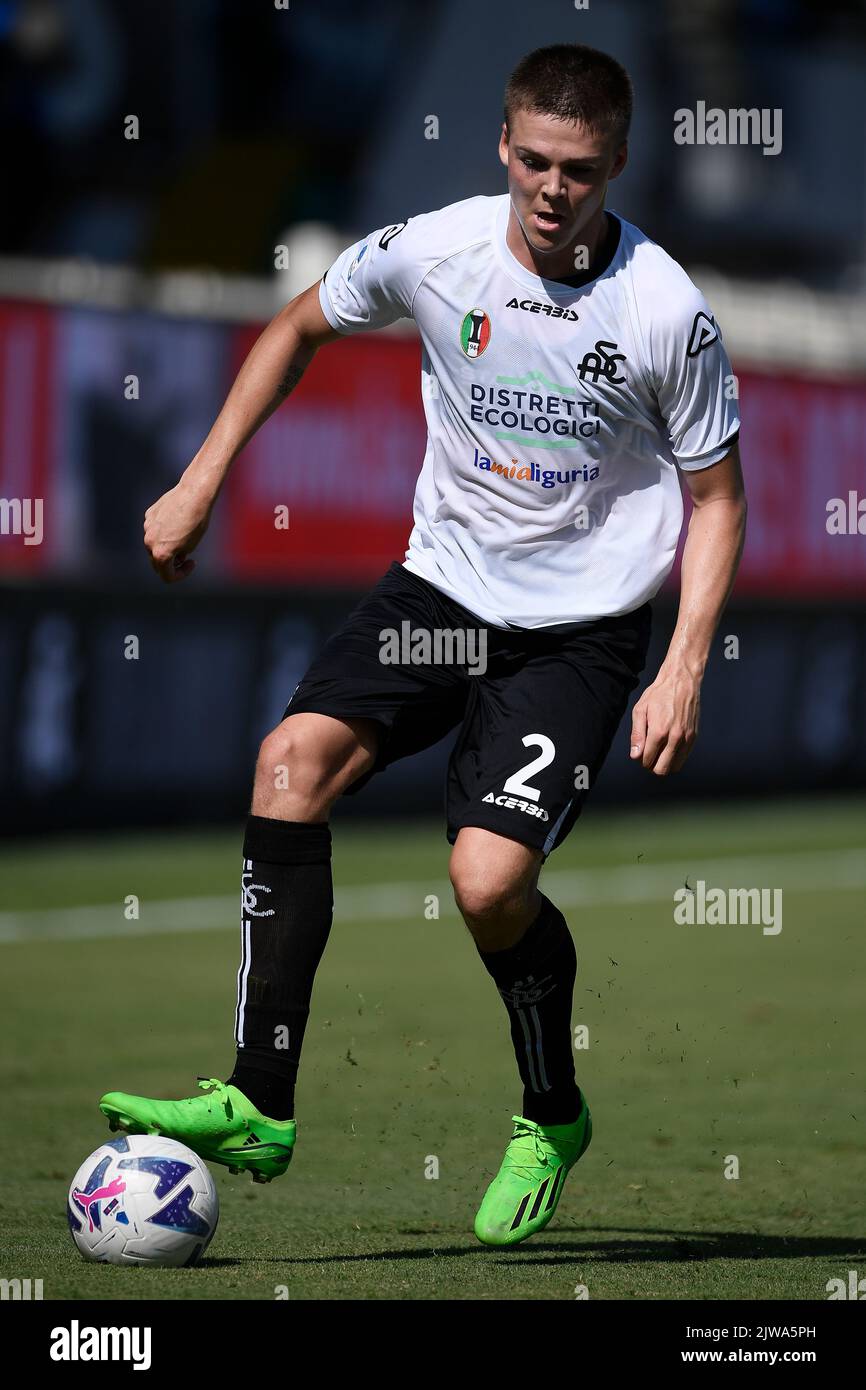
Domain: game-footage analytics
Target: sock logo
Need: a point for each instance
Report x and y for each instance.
(528, 991)
(249, 900)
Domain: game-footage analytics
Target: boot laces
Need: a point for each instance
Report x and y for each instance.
(519, 1150)
(218, 1093)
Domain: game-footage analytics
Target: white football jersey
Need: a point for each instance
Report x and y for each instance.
(556, 417)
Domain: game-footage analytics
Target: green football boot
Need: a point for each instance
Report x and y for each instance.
(221, 1126)
(525, 1192)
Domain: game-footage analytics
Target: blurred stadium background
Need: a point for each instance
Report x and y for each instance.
(134, 275)
(270, 136)
(154, 259)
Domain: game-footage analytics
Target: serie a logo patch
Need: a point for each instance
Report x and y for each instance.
(475, 332)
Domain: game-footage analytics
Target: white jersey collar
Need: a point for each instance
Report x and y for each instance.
(554, 289)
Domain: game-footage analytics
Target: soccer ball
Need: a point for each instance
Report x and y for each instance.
(142, 1200)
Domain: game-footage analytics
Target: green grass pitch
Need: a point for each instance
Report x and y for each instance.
(704, 1042)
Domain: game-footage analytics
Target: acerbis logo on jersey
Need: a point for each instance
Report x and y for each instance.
(704, 333)
(475, 332)
(389, 234)
(534, 306)
(384, 242)
(514, 803)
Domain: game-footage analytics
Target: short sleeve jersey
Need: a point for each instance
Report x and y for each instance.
(557, 417)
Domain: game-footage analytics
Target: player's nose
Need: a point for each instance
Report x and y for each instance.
(554, 187)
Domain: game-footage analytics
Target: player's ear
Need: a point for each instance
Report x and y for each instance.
(620, 161)
(503, 144)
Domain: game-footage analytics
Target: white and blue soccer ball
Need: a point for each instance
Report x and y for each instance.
(143, 1200)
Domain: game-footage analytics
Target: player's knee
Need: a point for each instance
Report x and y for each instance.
(484, 897)
(307, 762)
(292, 761)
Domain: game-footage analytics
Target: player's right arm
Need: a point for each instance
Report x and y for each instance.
(175, 524)
(370, 284)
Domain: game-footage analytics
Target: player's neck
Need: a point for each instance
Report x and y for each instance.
(561, 264)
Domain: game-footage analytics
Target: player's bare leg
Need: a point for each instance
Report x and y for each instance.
(526, 946)
(495, 883)
(307, 762)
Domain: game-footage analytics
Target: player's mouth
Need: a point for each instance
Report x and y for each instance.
(548, 221)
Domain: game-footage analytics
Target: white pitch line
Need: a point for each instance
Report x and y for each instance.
(813, 871)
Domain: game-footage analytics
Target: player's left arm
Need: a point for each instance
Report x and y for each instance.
(665, 718)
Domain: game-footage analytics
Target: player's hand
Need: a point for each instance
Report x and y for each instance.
(173, 527)
(664, 722)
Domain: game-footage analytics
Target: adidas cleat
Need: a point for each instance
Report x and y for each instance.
(526, 1191)
(221, 1126)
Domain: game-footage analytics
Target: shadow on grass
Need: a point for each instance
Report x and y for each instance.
(627, 1247)
(683, 1247)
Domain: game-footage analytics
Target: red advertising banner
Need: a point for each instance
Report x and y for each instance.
(324, 491)
(28, 402)
(803, 446)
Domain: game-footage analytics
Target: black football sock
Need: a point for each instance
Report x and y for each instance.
(536, 981)
(287, 904)
(272, 1095)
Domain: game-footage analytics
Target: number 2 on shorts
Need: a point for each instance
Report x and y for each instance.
(514, 786)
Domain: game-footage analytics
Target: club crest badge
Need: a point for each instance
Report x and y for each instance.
(475, 332)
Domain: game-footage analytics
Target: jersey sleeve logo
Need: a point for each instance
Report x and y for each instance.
(704, 333)
(389, 234)
(357, 261)
(475, 332)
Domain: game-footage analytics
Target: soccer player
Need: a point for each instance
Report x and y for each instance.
(571, 374)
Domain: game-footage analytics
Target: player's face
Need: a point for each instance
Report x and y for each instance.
(558, 174)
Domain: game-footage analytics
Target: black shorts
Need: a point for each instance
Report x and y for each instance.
(537, 709)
